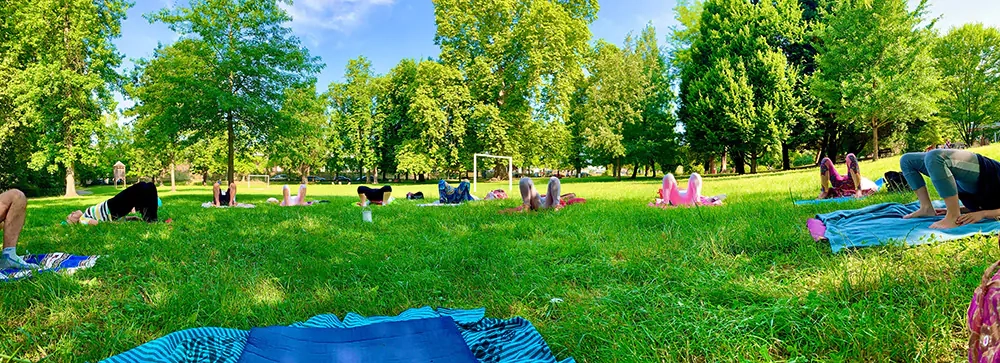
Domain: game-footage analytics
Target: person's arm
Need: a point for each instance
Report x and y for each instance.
(975, 217)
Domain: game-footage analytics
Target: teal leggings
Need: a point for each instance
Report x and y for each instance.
(950, 171)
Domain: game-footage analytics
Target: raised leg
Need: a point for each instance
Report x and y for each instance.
(693, 194)
(670, 191)
(232, 194)
(217, 192)
(854, 171)
(552, 198)
(914, 169)
(947, 169)
(362, 195)
(827, 173)
(302, 195)
(286, 196)
(13, 208)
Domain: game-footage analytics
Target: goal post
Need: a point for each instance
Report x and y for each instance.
(475, 170)
(261, 179)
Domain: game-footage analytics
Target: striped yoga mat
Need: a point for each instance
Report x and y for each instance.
(50, 262)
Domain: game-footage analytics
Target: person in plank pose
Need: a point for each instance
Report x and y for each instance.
(834, 185)
(224, 199)
(378, 196)
(957, 175)
(532, 200)
(140, 197)
(13, 208)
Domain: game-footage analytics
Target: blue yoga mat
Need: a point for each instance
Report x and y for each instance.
(882, 224)
(878, 186)
(410, 341)
(49, 262)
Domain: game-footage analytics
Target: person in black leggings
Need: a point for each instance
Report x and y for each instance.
(140, 197)
(376, 196)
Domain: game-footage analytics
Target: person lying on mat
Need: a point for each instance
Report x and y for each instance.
(13, 208)
(289, 200)
(226, 198)
(672, 195)
(957, 175)
(378, 196)
(140, 197)
(532, 200)
(454, 195)
(834, 185)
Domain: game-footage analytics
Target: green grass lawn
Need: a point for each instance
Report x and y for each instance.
(739, 282)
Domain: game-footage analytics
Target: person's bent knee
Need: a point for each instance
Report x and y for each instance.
(387, 189)
(826, 161)
(934, 156)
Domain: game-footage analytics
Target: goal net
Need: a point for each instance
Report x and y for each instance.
(475, 170)
(258, 181)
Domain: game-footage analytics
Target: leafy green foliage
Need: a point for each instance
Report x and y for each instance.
(304, 140)
(250, 58)
(969, 61)
(354, 104)
(875, 65)
(59, 62)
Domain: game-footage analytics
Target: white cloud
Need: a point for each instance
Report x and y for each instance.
(340, 15)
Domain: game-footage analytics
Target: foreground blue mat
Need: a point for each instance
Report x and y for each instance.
(488, 340)
(421, 340)
(883, 224)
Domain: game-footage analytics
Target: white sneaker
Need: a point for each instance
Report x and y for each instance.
(16, 262)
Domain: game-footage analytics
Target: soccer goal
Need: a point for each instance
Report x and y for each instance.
(475, 170)
(258, 181)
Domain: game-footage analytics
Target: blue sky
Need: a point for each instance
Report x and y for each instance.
(387, 31)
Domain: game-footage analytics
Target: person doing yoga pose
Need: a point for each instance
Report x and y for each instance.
(834, 185)
(672, 195)
(378, 196)
(289, 200)
(532, 200)
(224, 199)
(454, 195)
(957, 175)
(140, 197)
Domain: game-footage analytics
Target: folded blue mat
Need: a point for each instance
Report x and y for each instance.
(883, 224)
(489, 340)
(49, 262)
(416, 341)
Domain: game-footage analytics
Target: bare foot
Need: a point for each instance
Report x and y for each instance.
(822, 195)
(922, 212)
(945, 224)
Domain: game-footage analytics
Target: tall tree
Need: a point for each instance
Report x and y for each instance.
(303, 142)
(969, 61)
(396, 100)
(614, 93)
(59, 64)
(652, 139)
(253, 58)
(440, 111)
(521, 58)
(168, 95)
(739, 46)
(875, 65)
(355, 105)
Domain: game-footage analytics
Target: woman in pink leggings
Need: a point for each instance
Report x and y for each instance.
(672, 195)
(834, 185)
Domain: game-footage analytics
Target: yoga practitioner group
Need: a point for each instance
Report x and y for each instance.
(969, 184)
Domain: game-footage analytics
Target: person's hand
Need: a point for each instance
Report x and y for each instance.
(859, 194)
(941, 211)
(970, 218)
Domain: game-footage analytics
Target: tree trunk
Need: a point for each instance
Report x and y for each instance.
(173, 177)
(231, 135)
(304, 169)
(618, 169)
(786, 162)
(375, 175)
(753, 163)
(725, 162)
(204, 178)
(70, 180)
(875, 137)
(635, 171)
